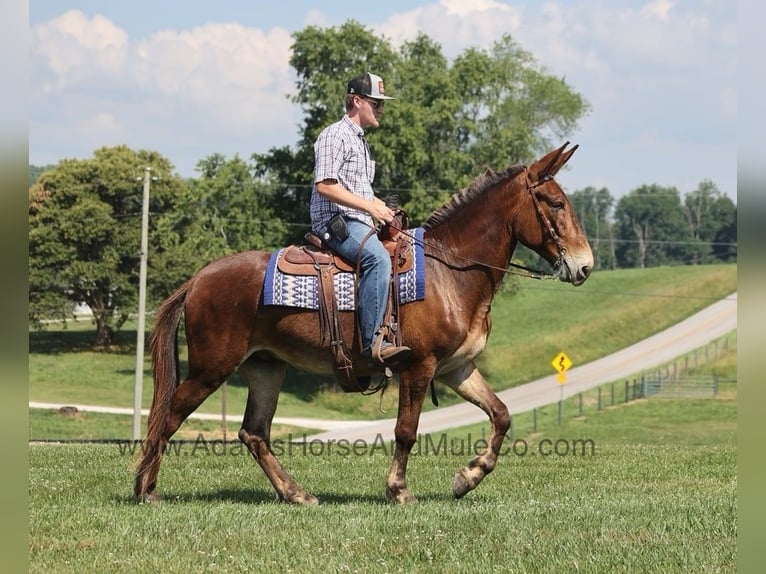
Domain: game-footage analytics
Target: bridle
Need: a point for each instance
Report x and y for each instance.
(515, 268)
(552, 232)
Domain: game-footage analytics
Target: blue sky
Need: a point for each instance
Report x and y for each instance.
(193, 78)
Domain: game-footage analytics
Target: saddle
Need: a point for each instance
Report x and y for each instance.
(314, 258)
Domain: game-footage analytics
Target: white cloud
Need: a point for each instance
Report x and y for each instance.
(210, 85)
(230, 73)
(73, 47)
(463, 8)
(455, 24)
(659, 9)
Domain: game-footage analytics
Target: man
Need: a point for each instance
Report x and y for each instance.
(344, 209)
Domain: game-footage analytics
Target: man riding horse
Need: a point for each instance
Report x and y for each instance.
(344, 210)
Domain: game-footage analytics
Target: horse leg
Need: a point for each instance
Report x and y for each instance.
(411, 396)
(264, 383)
(189, 395)
(471, 385)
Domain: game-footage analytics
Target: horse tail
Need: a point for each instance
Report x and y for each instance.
(165, 370)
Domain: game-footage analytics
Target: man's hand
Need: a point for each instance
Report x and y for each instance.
(380, 212)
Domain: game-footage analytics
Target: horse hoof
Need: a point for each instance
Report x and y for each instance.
(148, 498)
(402, 497)
(460, 485)
(304, 498)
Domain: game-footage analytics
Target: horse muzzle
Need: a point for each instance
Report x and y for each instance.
(575, 270)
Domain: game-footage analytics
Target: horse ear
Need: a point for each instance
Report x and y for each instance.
(550, 164)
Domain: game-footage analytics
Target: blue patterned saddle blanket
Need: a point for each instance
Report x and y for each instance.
(292, 290)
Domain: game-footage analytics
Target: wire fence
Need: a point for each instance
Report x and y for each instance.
(688, 377)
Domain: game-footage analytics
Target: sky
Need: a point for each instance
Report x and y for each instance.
(191, 78)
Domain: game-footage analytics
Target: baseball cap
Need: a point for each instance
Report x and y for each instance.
(368, 85)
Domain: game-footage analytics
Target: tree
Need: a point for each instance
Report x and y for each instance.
(449, 122)
(711, 217)
(593, 207)
(84, 234)
(651, 228)
(35, 171)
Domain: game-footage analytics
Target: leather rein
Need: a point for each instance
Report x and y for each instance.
(512, 268)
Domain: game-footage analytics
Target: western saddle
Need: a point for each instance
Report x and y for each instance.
(314, 258)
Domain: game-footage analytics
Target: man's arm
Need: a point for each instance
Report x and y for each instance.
(335, 192)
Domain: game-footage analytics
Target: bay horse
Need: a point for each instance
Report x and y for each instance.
(468, 246)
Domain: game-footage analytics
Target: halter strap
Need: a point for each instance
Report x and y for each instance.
(552, 232)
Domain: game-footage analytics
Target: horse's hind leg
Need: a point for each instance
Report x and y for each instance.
(264, 380)
(189, 395)
(469, 384)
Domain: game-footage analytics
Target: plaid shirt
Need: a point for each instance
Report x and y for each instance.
(341, 153)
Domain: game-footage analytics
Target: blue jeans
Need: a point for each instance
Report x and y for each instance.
(374, 277)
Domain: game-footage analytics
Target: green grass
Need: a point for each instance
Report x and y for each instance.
(657, 494)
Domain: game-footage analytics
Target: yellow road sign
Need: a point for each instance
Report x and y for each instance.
(561, 363)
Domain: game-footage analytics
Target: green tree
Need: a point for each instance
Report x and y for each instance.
(651, 229)
(711, 217)
(449, 122)
(225, 210)
(84, 234)
(35, 171)
(593, 207)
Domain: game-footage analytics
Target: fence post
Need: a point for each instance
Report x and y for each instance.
(580, 396)
(644, 394)
(612, 394)
(627, 389)
(534, 419)
(599, 398)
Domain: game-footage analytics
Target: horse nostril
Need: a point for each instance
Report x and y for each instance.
(585, 270)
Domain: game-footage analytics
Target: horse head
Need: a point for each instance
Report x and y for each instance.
(547, 222)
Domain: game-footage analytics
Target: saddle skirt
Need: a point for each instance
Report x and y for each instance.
(291, 276)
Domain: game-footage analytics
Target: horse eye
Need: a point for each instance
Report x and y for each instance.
(557, 205)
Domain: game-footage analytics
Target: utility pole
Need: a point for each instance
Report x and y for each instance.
(137, 390)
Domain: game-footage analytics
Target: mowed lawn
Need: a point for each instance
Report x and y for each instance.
(655, 493)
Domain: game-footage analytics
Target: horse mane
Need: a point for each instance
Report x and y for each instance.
(477, 187)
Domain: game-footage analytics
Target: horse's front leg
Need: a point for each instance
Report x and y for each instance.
(411, 396)
(471, 385)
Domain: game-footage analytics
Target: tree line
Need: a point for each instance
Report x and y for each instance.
(485, 108)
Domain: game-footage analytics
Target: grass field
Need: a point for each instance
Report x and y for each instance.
(612, 310)
(646, 486)
(657, 493)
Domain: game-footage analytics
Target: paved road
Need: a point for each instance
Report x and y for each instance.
(322, 424)
(696, 331)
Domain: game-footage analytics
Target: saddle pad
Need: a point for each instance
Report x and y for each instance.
(301, 290)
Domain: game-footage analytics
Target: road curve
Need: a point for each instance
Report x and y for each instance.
(707, 325)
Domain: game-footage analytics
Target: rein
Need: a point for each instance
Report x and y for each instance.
(530, 273)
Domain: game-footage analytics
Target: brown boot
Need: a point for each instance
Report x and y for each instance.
(386, 354)
(391, 355)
